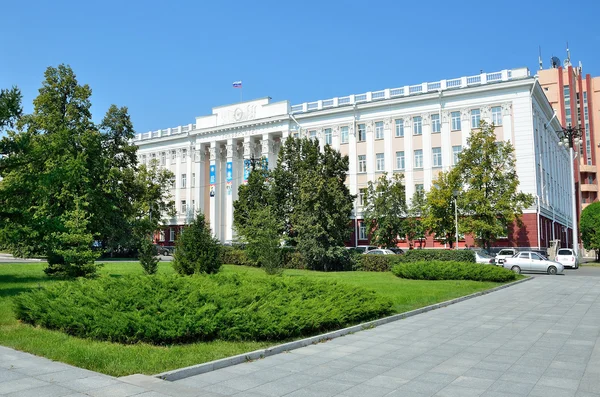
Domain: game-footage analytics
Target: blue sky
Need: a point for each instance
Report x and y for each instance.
(172, 61)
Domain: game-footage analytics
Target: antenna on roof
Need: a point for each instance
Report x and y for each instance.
(540, 58)
(567, 61)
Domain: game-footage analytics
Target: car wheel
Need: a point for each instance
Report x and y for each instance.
(516, 269)
(166, 253)
(552, 270)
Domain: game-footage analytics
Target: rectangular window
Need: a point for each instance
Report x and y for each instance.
(183, 206)
(362, 133)
(328, 136)
(475, 118)
(193, 205)
(362, 230)
(362, 163)
(437, 156)
(173, 156)
(400, 160)
(497, 115)
(379, 130)
(417, 125)
(419, 158)
(399, 128)
(193, 181)
(344, 134)
(183, 181)
(172, 182)
(163, 158)
(436, 126)
(361, 197)
(419, 187)
(161, 236)
(312, 134)
(380, 162)
(455, 154)
(455, 121)
(171, 234)
(144, 159)
(183, 155)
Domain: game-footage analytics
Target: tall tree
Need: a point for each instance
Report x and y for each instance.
(491, 198)
(590, 227)
(10, 107)
(385, 210)
(439, 218)
(414, 225)
(254, 195)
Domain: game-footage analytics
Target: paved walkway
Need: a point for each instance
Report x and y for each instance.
(539, 338)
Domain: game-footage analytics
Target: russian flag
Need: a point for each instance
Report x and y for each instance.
(237, 84)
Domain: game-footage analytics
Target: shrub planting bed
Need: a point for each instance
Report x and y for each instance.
(442, 270)
(169, 309)
(437, 255)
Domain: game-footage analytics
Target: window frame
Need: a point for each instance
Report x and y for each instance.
(403, 157)
(361, 132)
(379, 133)
(436, 123)
(475, 118)
(418, 154)
(361, 163)
(379, 161)
(344, 132)
(436, 155)
(399, 130)
(455, 121)
(417, 125)
(497, 115)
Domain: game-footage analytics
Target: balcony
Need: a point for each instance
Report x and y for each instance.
(587, 187)
(587, 168)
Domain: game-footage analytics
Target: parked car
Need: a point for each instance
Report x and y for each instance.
(362, 248)
(164, 250)
(396, 250)
(380, 251)
(505, 253)
(567, 257)
(482, 257)
(528, 261)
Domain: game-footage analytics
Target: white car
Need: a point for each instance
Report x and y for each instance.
(482, 257)
(567, 258)
(380, 251)
(503, 254)
(532, 262)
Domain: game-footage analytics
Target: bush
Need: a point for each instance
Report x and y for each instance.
(170, 309)
(448, 270)
(196, 250)
(294, 260)
(148, 258)
(437, 255)
(375, 263)
(235, 256)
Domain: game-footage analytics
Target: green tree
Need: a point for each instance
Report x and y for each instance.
(254, 195)
(263, 237)
(491, 198)
(385, 210)
(414, 225)
(196, 250)
(10, 107)
(312, 201)
(589, 225)
(147, 257)
(439, 214)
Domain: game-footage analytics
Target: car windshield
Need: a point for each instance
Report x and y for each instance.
(564, 252)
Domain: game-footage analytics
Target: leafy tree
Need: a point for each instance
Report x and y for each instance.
(385, 210)
(590, 227)
(312, 202)
(491, 198)
(251, 197)
(10, 107)
(439, 217)
(263, 237)
(196, 250)
(414, 225)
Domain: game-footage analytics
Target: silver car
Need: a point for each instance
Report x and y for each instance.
(532, 262)
(380, 251)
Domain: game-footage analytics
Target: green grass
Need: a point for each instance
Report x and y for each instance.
(119, 360)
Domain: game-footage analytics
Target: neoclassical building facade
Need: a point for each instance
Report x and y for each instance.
(416, 130)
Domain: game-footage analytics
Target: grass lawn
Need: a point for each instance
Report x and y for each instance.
(119, 360)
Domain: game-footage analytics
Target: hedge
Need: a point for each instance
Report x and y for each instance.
(437, 255)
(375, 263)
(448, 270)
(235, 256)
(171, 309)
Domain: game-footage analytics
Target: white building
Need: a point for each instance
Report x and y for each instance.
(417, 130)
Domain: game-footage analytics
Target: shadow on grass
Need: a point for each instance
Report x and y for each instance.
(19, 284)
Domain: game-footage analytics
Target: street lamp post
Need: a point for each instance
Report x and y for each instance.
(455, 195)
(571, 138)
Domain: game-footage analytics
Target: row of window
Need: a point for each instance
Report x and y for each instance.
(171, 235)
(436, 153)
(417, 125)
(183, 180)
(163, 157)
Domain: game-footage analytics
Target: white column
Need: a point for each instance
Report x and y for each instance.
(409, 159)
(177, 172)
(507, 122)
(266, 149)
(447, 154)
(213, 189)
(388, 144)
(427, 152)
(229, 185)
(189, 196)
(465, 126)
(335, 138)
(200, 180)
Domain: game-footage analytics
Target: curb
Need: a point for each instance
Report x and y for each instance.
(198, 369)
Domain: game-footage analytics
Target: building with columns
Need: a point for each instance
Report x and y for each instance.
(416, 130)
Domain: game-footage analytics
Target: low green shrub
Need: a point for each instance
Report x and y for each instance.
(375, 263)
(294, 260)
(235, 256)
(437, 255)
(171, 309)
(448, 270)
